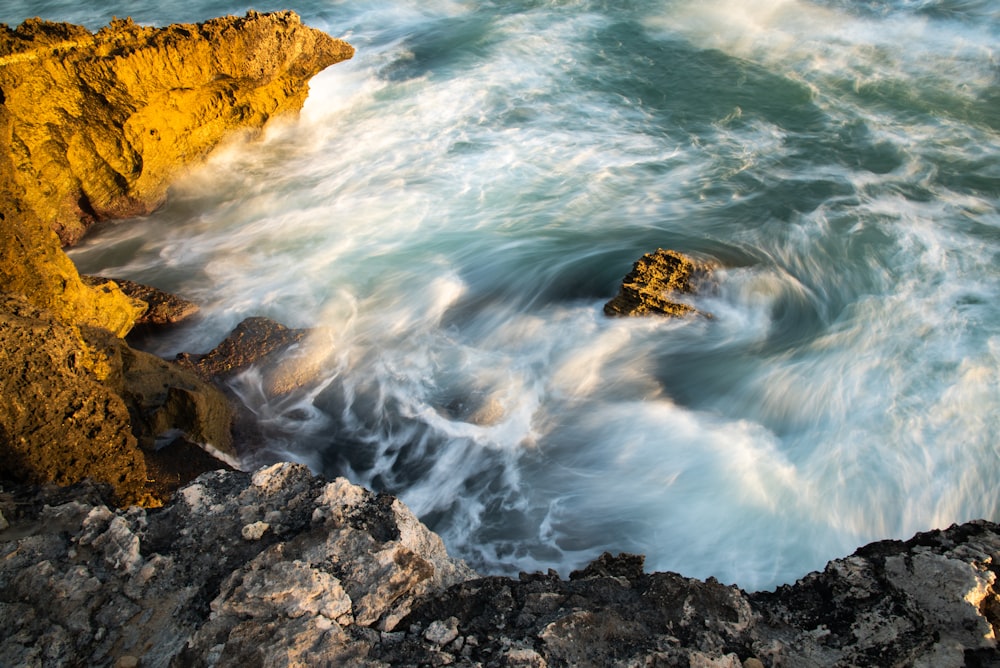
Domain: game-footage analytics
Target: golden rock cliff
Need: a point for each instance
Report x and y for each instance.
(99, 124)
(96, 126)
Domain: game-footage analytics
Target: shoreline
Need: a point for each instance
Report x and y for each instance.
(117, 548)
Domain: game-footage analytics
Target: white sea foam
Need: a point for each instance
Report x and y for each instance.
(457, 202)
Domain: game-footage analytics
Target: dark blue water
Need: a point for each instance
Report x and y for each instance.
(455, 205)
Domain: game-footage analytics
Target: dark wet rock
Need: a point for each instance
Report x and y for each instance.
(251, 342)
(284, 361)
(657, 285)
(162, 308)
(283, 568)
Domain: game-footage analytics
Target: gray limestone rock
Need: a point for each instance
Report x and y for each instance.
(282, 568)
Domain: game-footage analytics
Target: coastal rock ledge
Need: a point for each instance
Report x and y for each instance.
(281, 568)
(96, 126)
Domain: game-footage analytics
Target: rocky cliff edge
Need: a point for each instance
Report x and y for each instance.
(96, 126)
(280, 568)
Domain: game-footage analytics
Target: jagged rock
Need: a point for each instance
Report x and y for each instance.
(189, 585)
(97, 126)
(304, 571)
(655, 282)
(100, 124)
(930, 601)
(161, 308)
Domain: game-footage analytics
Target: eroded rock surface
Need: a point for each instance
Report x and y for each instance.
(98, 125)
(61, 419)
(283, 568)
(656, 285)
(270, 569)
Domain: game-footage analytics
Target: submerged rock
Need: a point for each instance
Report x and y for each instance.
(304, 571)
(252, 341)
(654, 285)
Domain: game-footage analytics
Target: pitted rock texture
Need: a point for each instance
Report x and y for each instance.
(282, 568)
(98, 125)
(78, 403)
(656, 285)
(60, 418)
(277, 568)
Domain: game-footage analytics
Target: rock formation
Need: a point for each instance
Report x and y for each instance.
(94, 126)
(78, 403)
(655, 282)
(61, 419)
(99, 125)
(160, 308)
(301, 571)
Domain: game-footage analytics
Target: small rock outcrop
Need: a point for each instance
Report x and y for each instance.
(655, 283)
(160, 308)
(283, 568)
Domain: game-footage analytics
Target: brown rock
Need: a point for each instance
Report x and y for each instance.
(655, 282)
(252, 341)
(162, 308)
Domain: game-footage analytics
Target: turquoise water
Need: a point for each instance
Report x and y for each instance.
(455, 205)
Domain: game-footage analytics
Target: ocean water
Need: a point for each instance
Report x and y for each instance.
(455, 205)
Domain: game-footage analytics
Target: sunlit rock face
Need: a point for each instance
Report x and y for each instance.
(96, 126)
(99, 124)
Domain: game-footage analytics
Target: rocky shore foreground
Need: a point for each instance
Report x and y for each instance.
(279, 567)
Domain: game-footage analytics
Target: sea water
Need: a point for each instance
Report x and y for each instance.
(454, 206)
